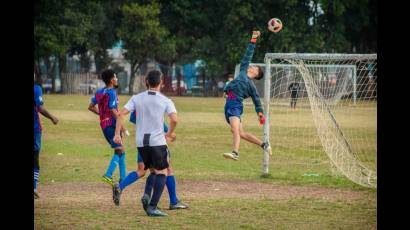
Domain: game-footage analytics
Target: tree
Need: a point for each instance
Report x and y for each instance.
(142, 34)
(58, 26)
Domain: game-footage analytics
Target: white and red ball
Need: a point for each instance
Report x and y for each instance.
(275, 25)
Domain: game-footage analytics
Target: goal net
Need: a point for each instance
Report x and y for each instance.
(321, 114)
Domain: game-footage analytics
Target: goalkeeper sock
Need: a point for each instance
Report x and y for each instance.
(113, 164)
(131, 178)
(123, 168)
(171, 186)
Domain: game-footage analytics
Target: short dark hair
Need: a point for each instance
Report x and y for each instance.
(107, 75)
(260, 73)
(154, 78)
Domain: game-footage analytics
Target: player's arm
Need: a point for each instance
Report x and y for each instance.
(93, 108)
(38, 101)
(249, 52)
(47, 114)
(120, 124)
(129, 107)
(257, 102)
(173, 120)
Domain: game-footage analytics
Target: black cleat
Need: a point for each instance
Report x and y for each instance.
(116, 194)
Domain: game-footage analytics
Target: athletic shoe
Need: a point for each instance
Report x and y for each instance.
(233, 156)
(178, 205)
(116, 194)
(108, 180)
(268, 148)
(145, 201)
(36, 196)
(151, 211)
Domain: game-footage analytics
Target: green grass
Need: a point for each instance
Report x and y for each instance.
(202, 137)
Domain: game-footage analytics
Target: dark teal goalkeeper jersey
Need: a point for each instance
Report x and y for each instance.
(242, 86)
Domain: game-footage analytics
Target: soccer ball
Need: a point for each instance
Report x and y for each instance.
(275, 25)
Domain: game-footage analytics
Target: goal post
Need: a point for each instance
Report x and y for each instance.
(333, 109)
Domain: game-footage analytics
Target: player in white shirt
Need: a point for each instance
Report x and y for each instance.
(150, 107)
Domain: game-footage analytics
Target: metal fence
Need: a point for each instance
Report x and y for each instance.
(80, 83)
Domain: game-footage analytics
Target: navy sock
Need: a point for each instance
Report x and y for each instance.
(149, 184)
(171, 186)
(123, 168)
(131, 178)
(159, 184)
(112, 165)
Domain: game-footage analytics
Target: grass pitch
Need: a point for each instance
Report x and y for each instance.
(301, 192)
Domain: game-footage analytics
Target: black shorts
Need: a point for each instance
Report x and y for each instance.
(155, 156)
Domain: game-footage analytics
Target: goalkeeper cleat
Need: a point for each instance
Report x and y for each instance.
(116, 194)
(151, 211)
(178, 205)
(233, 156)
(36, 196)
(145, 201)
(268, 148)
(108, 180)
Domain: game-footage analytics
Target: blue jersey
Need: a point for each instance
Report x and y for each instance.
(106, 99)
(38, 101)
(242, 86)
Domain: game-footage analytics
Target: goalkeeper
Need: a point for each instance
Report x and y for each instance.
(239, 89)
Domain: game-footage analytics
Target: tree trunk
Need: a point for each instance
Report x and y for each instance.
(37, 72)
(50, 72)
(134, 68)
(203, 83)
(61, 68)
(179, 93)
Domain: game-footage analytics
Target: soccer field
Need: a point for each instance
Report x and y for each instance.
(300, 193)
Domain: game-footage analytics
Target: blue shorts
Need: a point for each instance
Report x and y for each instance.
(109, 133)
(233, 108)
(139, 157)
(37, 140)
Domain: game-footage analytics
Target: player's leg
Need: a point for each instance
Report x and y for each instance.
(253, 139)
(160, 163)
(174, 202)
(234, 122)
(248, 136)
(129, 179)
(120, 151)
(109, 135)
(37, 147)
(134, 175)
(294, 104)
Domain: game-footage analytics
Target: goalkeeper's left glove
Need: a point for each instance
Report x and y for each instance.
(261, 118)
(255, 35)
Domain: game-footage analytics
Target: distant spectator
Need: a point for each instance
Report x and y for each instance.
(221, 86)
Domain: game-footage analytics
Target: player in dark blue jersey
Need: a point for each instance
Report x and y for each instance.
(39, 108)
(107, 101)
(239, 89)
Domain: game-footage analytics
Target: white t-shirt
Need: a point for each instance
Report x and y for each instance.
(150, 107)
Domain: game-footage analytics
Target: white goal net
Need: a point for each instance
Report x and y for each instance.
(322, 114)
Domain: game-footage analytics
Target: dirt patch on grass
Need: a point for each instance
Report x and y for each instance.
(191, 190)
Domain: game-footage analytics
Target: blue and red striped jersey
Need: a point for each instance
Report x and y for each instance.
(106, 99)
